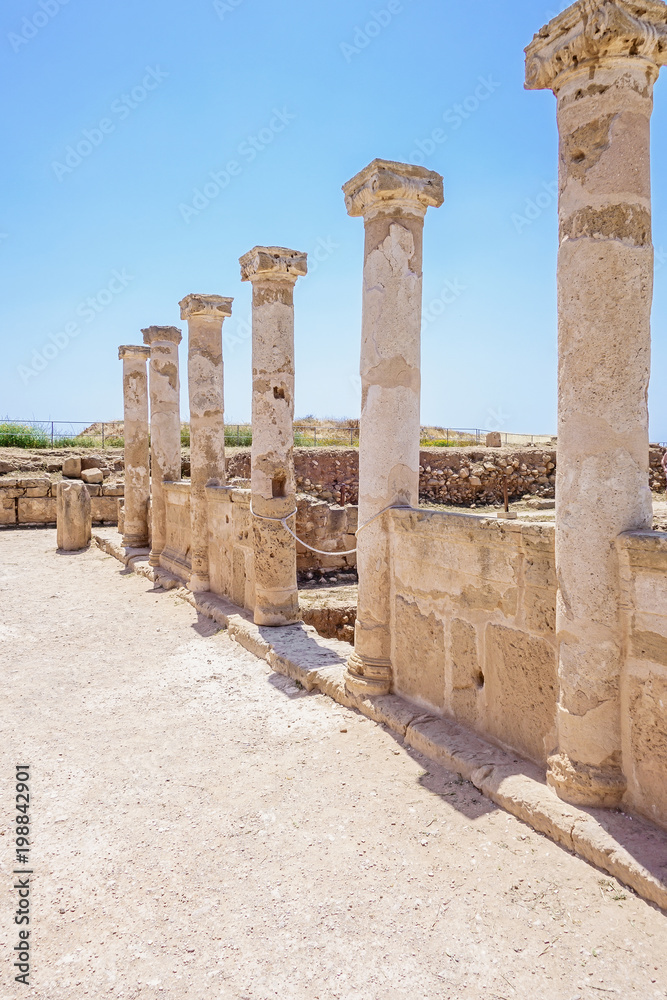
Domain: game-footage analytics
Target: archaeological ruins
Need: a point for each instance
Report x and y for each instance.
(543, 642)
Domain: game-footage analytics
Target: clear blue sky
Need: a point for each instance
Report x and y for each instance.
(299, 100)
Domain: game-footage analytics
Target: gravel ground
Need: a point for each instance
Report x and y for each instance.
(205, 829)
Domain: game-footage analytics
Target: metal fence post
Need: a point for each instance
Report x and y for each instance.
(52, 433)
(102, 436)
(315, 436)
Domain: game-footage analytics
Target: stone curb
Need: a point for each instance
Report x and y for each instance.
(613, 841)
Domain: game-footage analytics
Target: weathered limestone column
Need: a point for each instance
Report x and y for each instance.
(273, 272)
(601, 59)
(137, 464)
(73, 516)
(205, 315)
(165, 425)
(392, 198)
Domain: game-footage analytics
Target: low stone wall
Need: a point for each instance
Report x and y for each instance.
(473, 636)
(32, 500)
(474, 606)
(175, 556)
(460, 476)
(643, 561)
(329, 528)
(230, 551)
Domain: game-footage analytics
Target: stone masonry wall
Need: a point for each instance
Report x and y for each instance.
(473, 636)
(32, 500)
(461, 476)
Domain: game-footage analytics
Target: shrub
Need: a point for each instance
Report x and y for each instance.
(23, 436)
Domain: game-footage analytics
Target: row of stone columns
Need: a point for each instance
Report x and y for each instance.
(273, 272)
(601, 58)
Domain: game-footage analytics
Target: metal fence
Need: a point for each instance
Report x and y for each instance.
(96, 434)
(56, 434)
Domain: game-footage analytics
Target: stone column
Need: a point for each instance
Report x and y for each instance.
(205, 315)
(601, 60)
(165, 425)
(392, 198)
(73, 516)
(137, 463)
(273, 272)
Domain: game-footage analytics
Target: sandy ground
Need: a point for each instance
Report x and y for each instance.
(205, 829)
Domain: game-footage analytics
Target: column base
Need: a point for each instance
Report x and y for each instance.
(366, 677)
(135, 542)
(583, 785)
(284, 610)
(154, 558)
(199, 584)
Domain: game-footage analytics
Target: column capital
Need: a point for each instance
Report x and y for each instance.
(213, 306)
(591, 31)
(273, 264)
(386, 186)
(155, 334)
(134, 351)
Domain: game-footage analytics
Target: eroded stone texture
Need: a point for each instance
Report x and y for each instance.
(165, 425)
(393, 199)
(136, 455)
(273, 272)
(74, 518)
(205, 315)
(601, 59)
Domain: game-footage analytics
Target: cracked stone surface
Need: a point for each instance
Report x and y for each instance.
(205, 828)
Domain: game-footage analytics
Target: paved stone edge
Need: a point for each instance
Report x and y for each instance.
(511, 782)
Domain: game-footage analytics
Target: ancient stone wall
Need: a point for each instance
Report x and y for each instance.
(643, 562)
(32, 500)
(473, 636)
(176, 554)
(461, 476)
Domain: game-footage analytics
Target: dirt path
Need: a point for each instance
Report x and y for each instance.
(204, 829)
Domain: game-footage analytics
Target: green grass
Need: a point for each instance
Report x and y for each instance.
(23, 436)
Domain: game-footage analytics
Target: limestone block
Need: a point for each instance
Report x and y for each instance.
(521, 690)
(7, 510)
(37, 510)
(121, 516)
(38, 491)
(419, 654)
(94, 490)
(11, 492)
(92, 462)
(35, 482)
(72, 468)
(493, 440)
(92, 475)
(104, 509)
(73, 513)
(113, 490)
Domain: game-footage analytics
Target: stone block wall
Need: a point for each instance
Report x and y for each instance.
(230, 551)
(175, 556)
(643, 562)
(473, 630)
(32, 500)
(473, 636)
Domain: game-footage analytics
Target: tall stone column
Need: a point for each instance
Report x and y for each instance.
(205, 315)
(164, 389)
(137, 463)
(393, 199)
(601, 60)
(273, 272)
